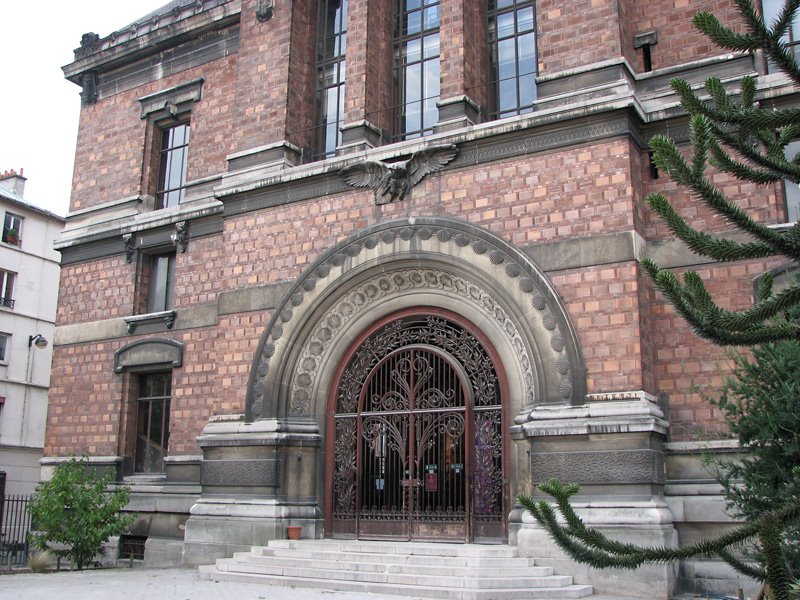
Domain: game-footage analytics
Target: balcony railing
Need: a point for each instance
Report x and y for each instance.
(7, 302)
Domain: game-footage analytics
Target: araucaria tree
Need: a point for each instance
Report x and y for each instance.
(749, 143)
(736, 136)
(75, 512)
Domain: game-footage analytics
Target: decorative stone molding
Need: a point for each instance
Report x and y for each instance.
(90, 43)
(149, 354)
(622, 412)
(180, 237)
(475, 255)
(172, 101)
(89, 82)
(641, 465)
(375, 291)
(165, 316)
(129, 241)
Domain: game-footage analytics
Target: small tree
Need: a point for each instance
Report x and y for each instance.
(74, 509)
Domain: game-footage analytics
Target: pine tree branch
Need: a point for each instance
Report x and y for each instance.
(704, 244)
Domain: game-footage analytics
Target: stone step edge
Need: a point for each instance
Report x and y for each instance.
(571, 592)
(246, 558)
(429, 581)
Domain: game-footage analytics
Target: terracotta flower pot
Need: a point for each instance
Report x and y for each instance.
(293, 532)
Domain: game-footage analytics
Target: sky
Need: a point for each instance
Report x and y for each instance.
(39, 109)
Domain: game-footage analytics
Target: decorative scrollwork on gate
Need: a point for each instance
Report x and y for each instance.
(430, 424)
(434, 331)
(344, 475)
(488, 480)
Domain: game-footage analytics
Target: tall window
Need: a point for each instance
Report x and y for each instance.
(771, 10)
(152, 422)
(161, 282)
(512, 43)
(12, 229)
(416, 70)
(7, 288)
(172, 165)
(5, 346)
(331, 49)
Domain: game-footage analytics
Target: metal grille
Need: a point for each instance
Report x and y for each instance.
(418, 448)
(14, 529)
(132, 547)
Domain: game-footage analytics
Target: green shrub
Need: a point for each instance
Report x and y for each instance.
(74, 514)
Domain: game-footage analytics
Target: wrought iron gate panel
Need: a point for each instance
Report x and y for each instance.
(418, 437)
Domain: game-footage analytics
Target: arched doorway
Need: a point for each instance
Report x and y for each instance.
(416, 433)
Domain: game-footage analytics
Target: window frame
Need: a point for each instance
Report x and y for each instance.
(8, 228)
(154, 301)
(7, 281)
(402, 68)
(142, 458)
(770, 9)
(331, 33)
(169, 192)
(498, 9)
(5, 348)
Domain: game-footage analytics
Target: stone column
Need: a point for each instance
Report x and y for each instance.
(612, 446)
(256, 479)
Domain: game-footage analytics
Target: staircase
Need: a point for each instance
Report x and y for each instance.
(422, 570)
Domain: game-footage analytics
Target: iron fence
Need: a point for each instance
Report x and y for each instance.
(15, 524)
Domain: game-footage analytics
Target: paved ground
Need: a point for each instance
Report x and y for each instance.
(152, 584)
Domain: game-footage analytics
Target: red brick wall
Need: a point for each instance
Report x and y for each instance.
(603, 304)
(368, 91)
(678, 40)
(275, 71)
(463, 50)
(85, 400)
(96, 290)
(572, 34)
(114, 140)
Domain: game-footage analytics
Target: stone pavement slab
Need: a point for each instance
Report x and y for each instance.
(153, 584)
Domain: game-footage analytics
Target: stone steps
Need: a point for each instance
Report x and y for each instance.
(421, 570)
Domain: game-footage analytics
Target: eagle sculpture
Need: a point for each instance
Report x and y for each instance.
(392, 181)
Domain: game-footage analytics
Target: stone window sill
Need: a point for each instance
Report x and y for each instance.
(165, 316)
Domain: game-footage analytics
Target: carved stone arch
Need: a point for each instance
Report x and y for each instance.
(424, 262)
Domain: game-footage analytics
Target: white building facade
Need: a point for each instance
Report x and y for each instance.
(29, 276)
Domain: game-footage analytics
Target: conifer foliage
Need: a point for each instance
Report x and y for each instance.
(735, 135)
(747, 141)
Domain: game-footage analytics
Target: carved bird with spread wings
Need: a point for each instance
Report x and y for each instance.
(392, 181)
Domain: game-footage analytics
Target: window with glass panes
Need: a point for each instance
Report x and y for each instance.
(161, 282)
(331, 49)
(512, 43)
(7, 288)
(12, 229)
(152, 422)
(416, 70)
(5, 345)
(172, 165)
(771, 10)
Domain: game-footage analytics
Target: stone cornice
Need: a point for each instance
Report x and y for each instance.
(153, 36)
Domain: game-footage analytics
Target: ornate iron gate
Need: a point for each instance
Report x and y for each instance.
(418, 437)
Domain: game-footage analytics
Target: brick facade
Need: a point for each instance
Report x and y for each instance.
(565, 187)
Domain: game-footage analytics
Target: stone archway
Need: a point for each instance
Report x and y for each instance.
(426, 261)
(439, 263)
